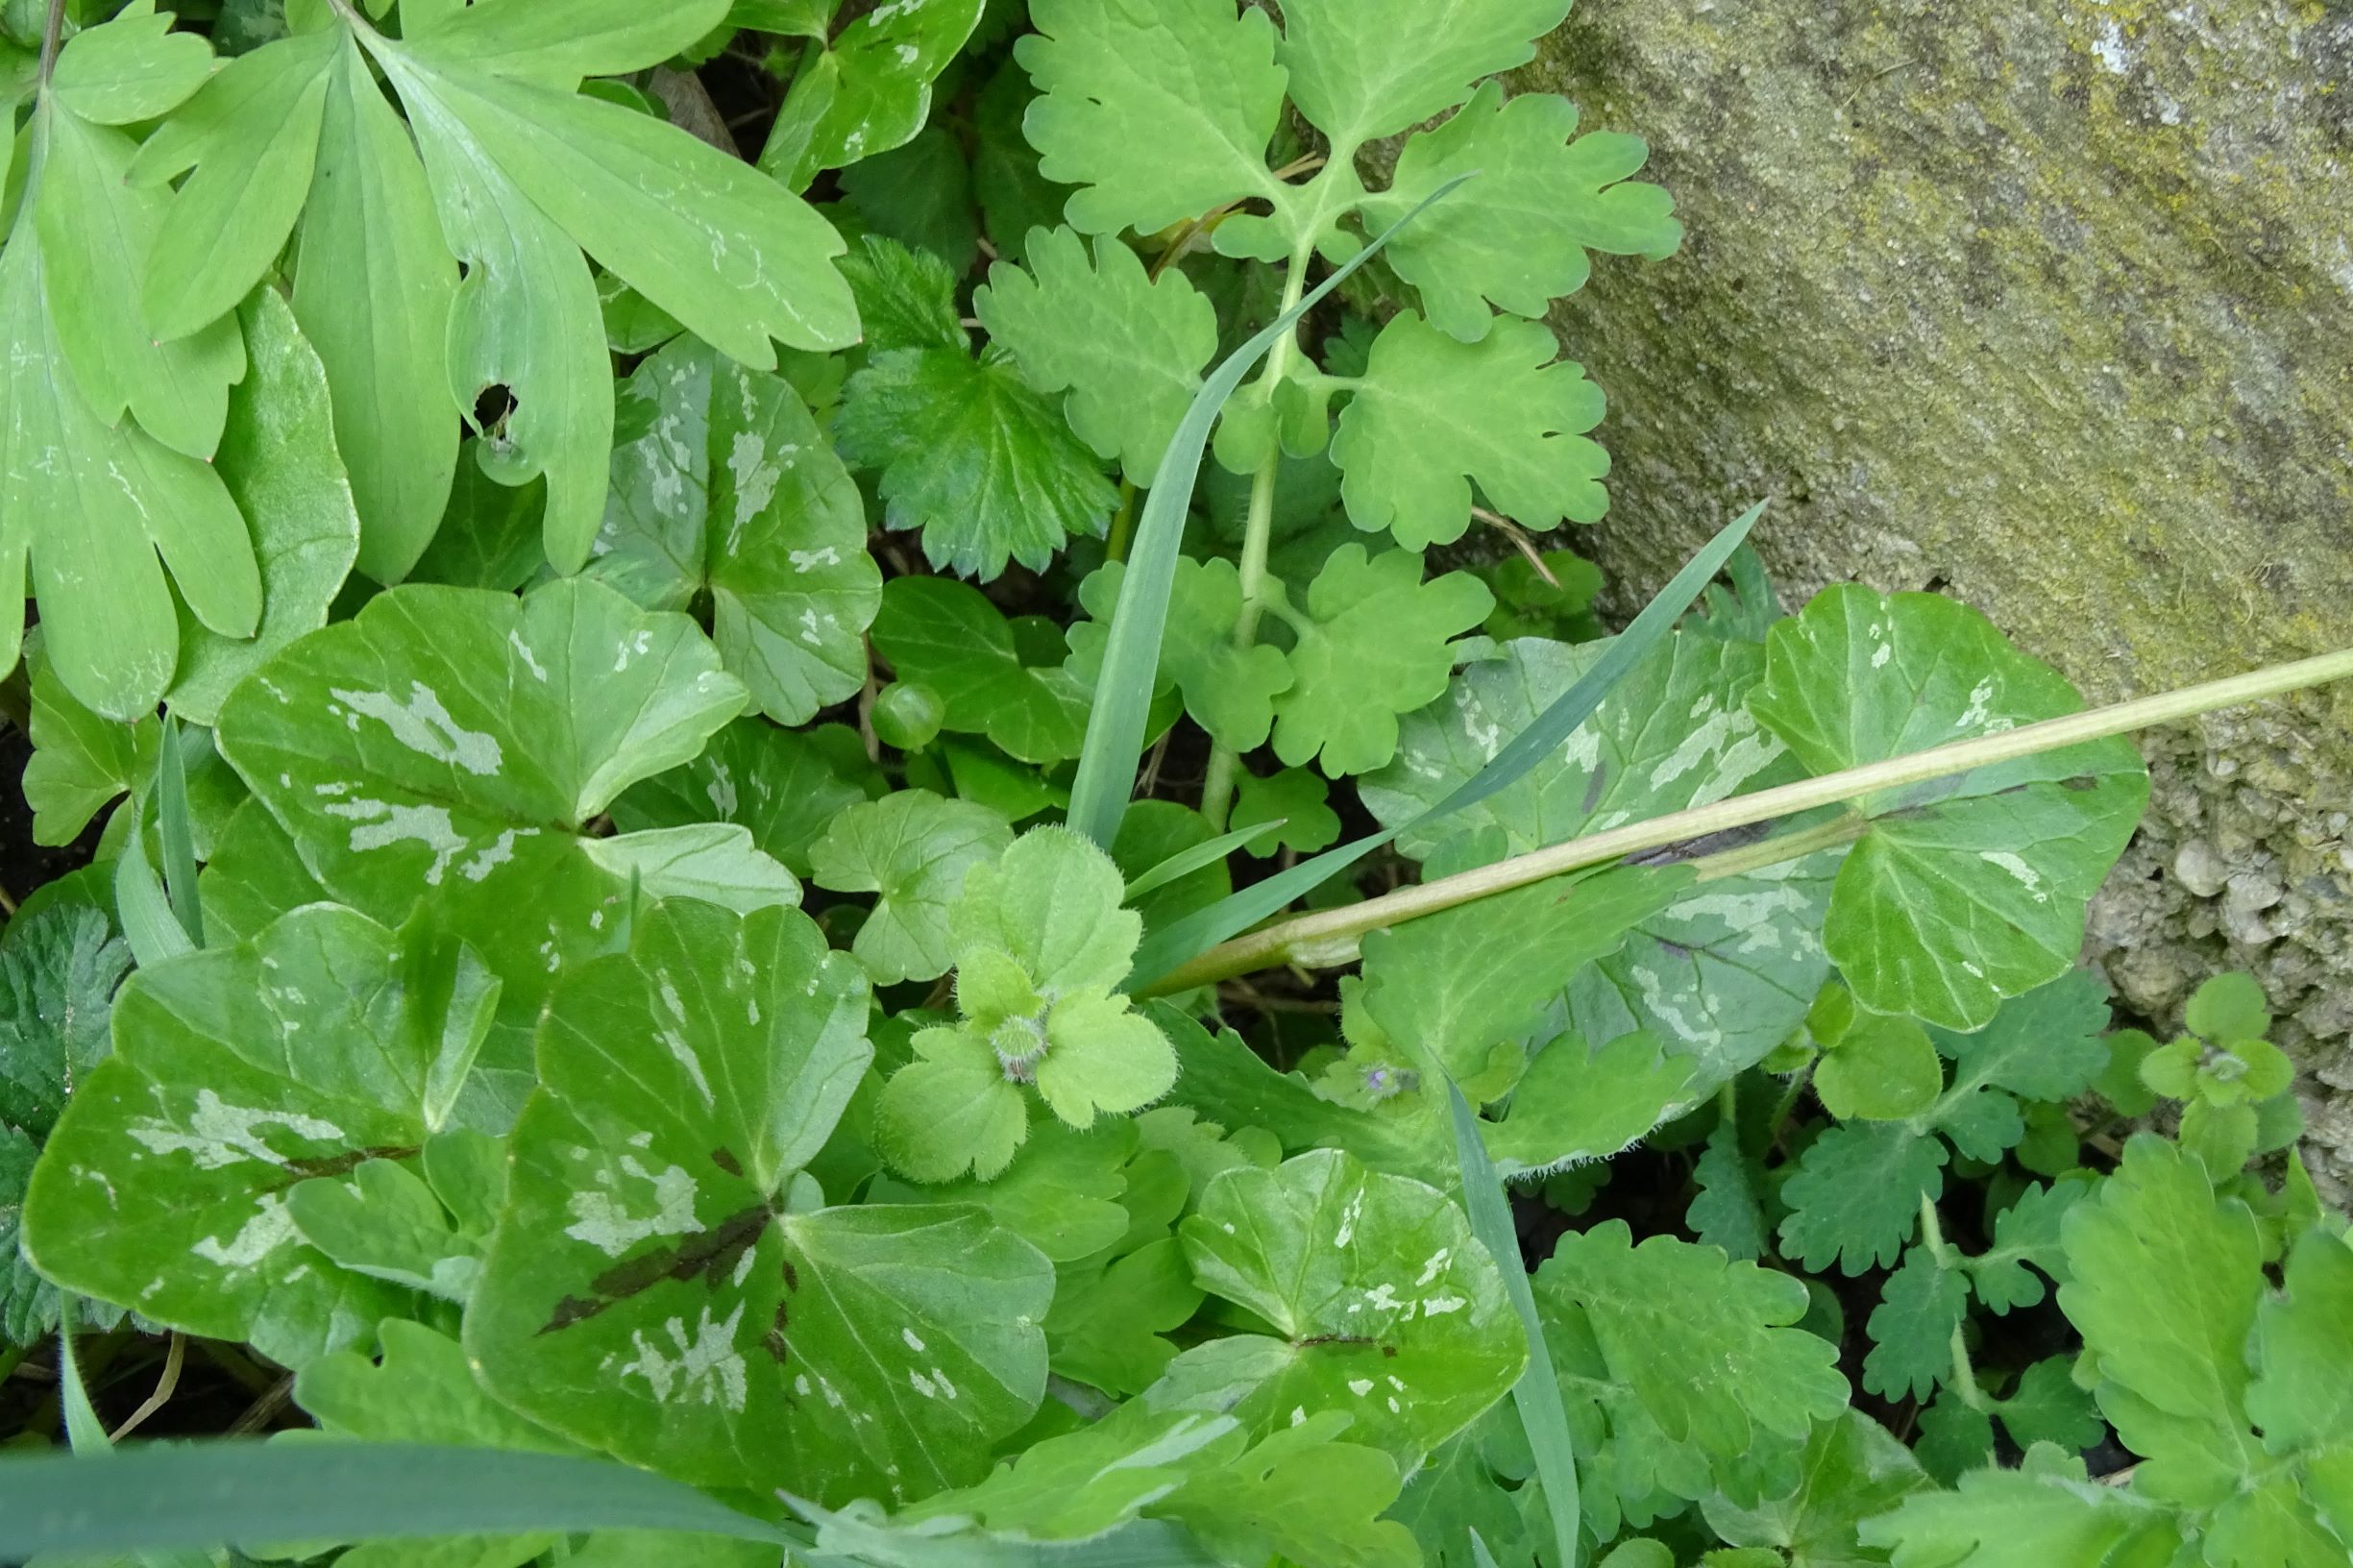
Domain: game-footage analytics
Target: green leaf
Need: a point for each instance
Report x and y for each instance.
(1108, 1325)
(786, 786)
(1518, 235)
(1912, 1328)
(2048, 1408)
(1463, 982)
(279, 459)
(906, 298)
(1299, 1497)
(950, 638)
(1967, 889)
(421, 1390)
(2046, 1515)
(1174, 862)
(648, 1293)
(1853, 1471)
(723, 484)
(130, 69)
(984, 466)
(2028, 1232)
(81, 762)
(914, 849)
(422, 1233)
(1879, 1069)
(1373, 641)
(203, 1495)
(1726, 971)
(2302, 1396)
(1856, 1195)
(237, 1072)
(1577, 1105)
(1361, 71)
(919, 195)
(1230, 692)
(1129, 349)
(2044, 1046)
(865, 90)
(1660, 1310)
(1160, 109)
(373, 286)
(1727, 1211)
(450, 744)
(1433, 414)
(2229, 1007)
(1293, 802)
(1381, 1303)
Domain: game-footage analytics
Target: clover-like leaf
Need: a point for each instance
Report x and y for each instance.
(1729, 968)
(723, 484)
(651, 1294)
(1383, 1306)
(914, 849)
(1431, 414)
(948, 636)
(453, 743)
(865, 89)
(1373, 641)
(1229, 690)
(1366, 69)
(1128, 347)
(1159, 109)
(968, 454)
(1518, 235)
(1038, 939)
(237, 1072)
(1963, 891)
(1667, 1307)
(786, 786)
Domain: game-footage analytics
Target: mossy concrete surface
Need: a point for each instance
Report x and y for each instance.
(2048, 305)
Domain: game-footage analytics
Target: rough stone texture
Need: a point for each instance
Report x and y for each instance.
(2048, 304)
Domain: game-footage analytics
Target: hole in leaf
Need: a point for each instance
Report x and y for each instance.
(493, 406)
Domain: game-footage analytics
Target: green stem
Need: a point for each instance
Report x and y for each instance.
(1257, 536)
(1964, 1375)
(53, 34)
(1329, 937)
(1787, 1103)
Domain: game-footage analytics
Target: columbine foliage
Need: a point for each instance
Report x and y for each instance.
(587, 957)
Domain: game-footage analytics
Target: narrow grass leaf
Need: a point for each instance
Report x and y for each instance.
(155, 933)
(1185, 862)
(179, 843)
(218, 1493)
(1131, 656)
(1197, 933)
(83, 1431)
(1537, 1393)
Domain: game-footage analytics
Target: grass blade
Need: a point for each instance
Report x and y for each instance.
(214, 1494)
(83, 1431)
(1131, 656)
(149, 924)
(179, 843)
(1537, 1393)
(1160, 963)
(1188, 861)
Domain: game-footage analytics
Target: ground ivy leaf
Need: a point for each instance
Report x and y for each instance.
(1373, 641)
(1880, 1070)
(1855, 1197)
(1518, 235)
(865, 90)
(1129, 349)
(951, 1111)
(914, 849)
(1967, 889)
(324, 1042)
(1361, 71)
(970, 455)
(1229, 690)
(646, 1294)
(277, 457)
(1383, 1306)
(2028, 1232)
(2164, 1284)
(1660, 1310)
(1433, 414)
(1912, 1328)
(948, 636)
(1160, 109)
(723, 484)
(1728, 969)
(81, 762)
(787, 786)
